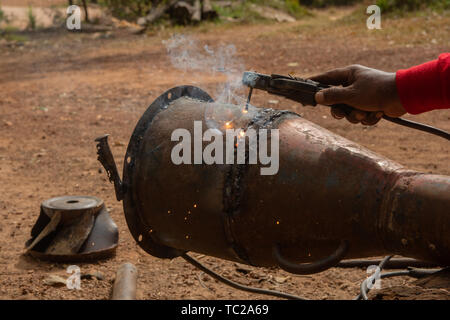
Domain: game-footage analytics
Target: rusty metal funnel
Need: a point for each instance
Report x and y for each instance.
(330, 199)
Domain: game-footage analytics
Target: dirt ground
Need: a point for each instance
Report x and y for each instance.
(60, 90)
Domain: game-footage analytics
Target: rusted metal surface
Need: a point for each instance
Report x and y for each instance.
(125, 284)
(73, 228)
(328, 191)
(106, 159)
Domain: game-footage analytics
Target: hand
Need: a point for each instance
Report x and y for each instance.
(371, 92)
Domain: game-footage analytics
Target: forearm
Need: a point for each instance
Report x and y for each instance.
(425, 87)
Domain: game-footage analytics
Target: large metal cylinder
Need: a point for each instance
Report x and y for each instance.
(329, 192)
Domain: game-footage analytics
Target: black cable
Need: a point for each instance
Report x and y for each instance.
(410, 272)
(403, 122)
(395, 263)
(419, 126)
(236, 285)
(413, 272)
(363, 287)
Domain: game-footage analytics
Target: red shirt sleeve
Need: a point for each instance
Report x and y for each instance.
(425, 87)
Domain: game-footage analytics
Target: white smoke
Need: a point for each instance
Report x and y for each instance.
(188, 55)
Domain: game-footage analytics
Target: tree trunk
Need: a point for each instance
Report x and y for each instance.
(86, 16)
(208, 13)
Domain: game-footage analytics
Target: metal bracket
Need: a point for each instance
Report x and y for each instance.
(107, 160)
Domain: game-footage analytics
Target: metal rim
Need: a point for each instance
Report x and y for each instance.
(136, 225)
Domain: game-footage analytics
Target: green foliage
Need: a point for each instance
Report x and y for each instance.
(2, 15)
(239, 11)
(243, 12)
(293, 7)
(31, 19)
(15, 37)
(327, 3)
(385, 5)
(410, 5)
(130, 9)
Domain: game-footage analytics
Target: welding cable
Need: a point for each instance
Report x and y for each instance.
(417, 273)
(394, 263)
(236, 285)
(363, 287)
(419, 126)
(403, 122)
(412, 272)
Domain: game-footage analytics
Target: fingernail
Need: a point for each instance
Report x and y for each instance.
(320, 97)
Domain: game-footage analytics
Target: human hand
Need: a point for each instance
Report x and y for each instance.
(371, 92)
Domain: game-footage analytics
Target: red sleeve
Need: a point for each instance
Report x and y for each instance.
(425, 87)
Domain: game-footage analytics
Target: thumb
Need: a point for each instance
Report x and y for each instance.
(334, 95)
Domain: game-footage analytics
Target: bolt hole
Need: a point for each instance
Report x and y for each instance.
(140, 238)
(128, 159)
(169, 95)
(72, 201)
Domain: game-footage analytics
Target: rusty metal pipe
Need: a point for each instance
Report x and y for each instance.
(328, 191)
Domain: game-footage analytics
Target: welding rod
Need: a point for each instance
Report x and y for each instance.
(125, 283)
(248, 98)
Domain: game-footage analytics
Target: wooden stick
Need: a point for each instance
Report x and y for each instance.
(125, 283)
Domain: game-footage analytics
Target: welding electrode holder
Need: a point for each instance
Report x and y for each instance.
(304, 90)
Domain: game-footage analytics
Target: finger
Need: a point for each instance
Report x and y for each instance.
(359, 115)
(334, 95)
(372, 118)
(337, 113)
(353, 117)
(334, 77)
